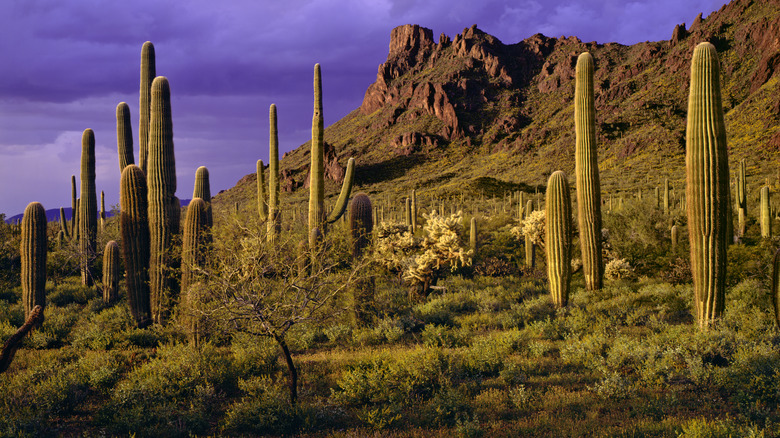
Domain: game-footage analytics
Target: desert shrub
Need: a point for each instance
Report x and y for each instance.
(70, 291)
(173, 394)
(492, 404)
(486, 355)
(717, 428)
(443, 336)
(448, 405)
(263, 408)
(56, 327)
(254, 355)
(104, 330)
(393, 380)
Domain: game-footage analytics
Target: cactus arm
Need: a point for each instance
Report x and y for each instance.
(346, 189)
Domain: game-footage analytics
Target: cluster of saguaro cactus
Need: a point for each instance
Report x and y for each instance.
(317, 217)
(558, 238)
(148, 73)
(111, 272)
(134, 224)
(707, 175)
(33, 253)
(87, 207)
(164, 209)
(124, 136)
(587, 174)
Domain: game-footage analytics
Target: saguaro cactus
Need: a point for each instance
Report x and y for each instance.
(413, 211)
(675, 237)
(776, 286)
(124, 136)
(666, 196)
(73, 207)
(111, 272)
(558, 238)
(707, 174)
(274, 227)
(473, 235)
(530, 247)
(64, 225)
(361, 226)
(317, 216)
(148, 73)
(587, 171)
(202, 190)
(163, 204)
(262, 206)
(742, 198)
(134, 224)
(193, 257)
(102, 211)
(87, 207)
(766, 214)
(33, 252)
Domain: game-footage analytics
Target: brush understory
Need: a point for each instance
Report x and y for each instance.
(485, 354)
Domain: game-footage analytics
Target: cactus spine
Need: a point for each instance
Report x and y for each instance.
(766, 214)
(742, 198)
(33, 253)
(262, 207)
(193, 257)
(163, 205)
(87, 207)
(148, 73)
(587, 171)
(111, 272)
(530, 248)
(124, 136)
(134, 224)
(707, 175)
(274, 227)
(558, 238)
(317, 217)
(202, 190)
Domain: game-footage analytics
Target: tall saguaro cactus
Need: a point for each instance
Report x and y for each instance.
(262, 205)
(742, 197)
(317, 217)
(163, 204)
(587, 171)
(274, 227)
(361, 226)
(193, 256)
(558, 238)
(202, 190)
(33, 252)
(530, 247)
(87, 207)
(148, 73)
(134, 224)
(124, 136)
(766, 214)
(74, 231)
(111, 272)
(707, 174)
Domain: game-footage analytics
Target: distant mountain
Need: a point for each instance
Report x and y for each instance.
(54, 214)
(473, 113)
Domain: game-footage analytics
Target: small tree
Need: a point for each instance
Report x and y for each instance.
(256, 288)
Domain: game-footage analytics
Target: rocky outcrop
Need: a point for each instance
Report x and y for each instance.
(333, 170)
(678, 34)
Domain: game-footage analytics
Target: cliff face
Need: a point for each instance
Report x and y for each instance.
(441, 114)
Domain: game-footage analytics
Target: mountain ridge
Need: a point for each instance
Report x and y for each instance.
(444, 116)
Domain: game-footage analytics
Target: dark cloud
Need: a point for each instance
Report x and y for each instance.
(67, 64)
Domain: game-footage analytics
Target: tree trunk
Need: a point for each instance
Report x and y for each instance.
(291, 368)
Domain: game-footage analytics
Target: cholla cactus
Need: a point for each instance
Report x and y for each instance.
(618, 269)
(394, 244)
(442, 246)
(533, 227)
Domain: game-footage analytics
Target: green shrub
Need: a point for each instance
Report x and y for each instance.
(263, 408)
(443, 336)
(104, 330)
(486, 355)
(254, 355)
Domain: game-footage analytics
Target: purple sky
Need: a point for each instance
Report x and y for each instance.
(66, 64)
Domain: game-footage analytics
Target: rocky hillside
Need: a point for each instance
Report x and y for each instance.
(473, 112)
